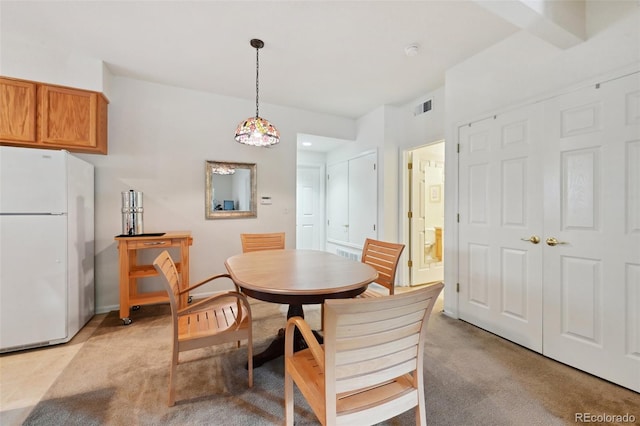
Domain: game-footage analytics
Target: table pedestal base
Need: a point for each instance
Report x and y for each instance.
(276, 348)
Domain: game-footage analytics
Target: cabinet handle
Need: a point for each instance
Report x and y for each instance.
(532, 239)
(552, 241)
(154, 243)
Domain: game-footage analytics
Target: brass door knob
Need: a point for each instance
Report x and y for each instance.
(532, 239)
(552, 241)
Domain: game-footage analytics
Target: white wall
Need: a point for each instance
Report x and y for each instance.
(159, 139)
(36, 61)
(425, 128)
(310, 158)
(523, 67)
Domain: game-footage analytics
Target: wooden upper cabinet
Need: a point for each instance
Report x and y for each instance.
(18, 110)
(60, 117)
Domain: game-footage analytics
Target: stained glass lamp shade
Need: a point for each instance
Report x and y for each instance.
(256, 130)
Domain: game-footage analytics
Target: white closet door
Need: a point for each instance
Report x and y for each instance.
(363, 199)
(338, 202)
(500, 206)
(592, 206)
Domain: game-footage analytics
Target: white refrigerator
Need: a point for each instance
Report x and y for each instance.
(46, 247)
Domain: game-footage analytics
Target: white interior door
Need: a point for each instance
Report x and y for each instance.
(500, 207)
(427, 213)
(592, 206)
(309, 211)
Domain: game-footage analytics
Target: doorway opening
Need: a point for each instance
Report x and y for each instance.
(424, 213)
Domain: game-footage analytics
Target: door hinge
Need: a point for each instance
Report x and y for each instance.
(458, 217)
(458, 148)
(410, 263)
(457, 287)
(409, 166)
(410, 215)
(374, 166)
(374, 226)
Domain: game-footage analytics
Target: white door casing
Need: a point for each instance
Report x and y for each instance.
(500, 265)
(592, 206)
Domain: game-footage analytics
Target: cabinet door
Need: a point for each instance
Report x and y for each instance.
(68, 117)
(17, 110)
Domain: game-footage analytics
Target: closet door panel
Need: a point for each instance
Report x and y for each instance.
(500, 206)
(592, 243)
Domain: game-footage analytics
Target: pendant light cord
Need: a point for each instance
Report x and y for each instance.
(257, 74)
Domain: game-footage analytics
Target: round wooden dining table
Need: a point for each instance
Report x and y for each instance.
(296, 278)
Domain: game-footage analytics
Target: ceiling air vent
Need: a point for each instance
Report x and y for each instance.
(422, 108)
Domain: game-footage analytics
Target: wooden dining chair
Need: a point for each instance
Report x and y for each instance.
(218, 319)
(257, 242)
(370, 367)
(384, 257)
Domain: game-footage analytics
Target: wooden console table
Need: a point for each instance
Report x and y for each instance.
(130, 271)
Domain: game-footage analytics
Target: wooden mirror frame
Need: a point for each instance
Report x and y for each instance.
(210, 210)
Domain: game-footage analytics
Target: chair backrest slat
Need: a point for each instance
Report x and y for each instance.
(370, 341)
(258, 242)
(168, 269)
(384, 257)
(370, 344)
(380, 348)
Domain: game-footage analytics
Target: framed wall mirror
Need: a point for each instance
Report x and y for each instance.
(230, 190)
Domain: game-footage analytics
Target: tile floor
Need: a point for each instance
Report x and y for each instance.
(25, 376)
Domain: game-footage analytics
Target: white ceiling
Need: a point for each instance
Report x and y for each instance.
(338, 57)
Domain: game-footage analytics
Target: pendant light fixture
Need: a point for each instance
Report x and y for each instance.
(256, 130)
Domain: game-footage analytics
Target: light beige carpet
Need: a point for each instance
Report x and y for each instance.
(120, 377)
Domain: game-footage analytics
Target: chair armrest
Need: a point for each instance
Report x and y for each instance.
(206, 280)
(240, 298)
(307, 335)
